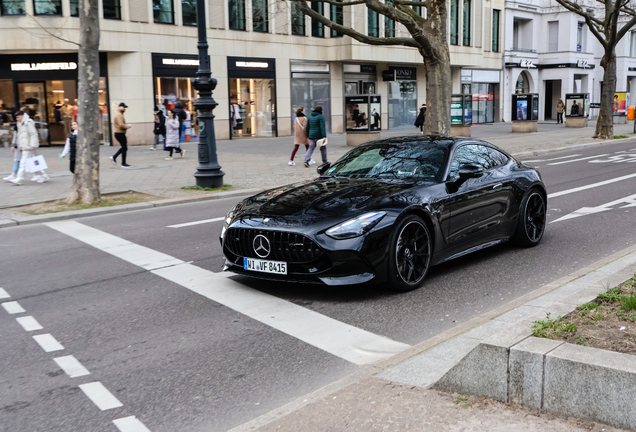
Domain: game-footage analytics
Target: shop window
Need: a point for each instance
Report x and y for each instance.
(337, 16)
(467, 17)
(112, 9)
(163, 11)
(7, 109)
(373, 22)
(47, 7)
(253, 107)
(454, 22)
(523, 84)
(237, 14)
(495, 30)
(171, 91)
(12, 7)
(317, 28)
(389, 24)
(403, 108)
(189, 12)
(309, 92)
(74, 8)
(260, 19)
(297, 20)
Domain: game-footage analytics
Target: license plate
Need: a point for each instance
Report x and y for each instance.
(263, 266)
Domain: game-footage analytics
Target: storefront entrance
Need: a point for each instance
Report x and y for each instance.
(484, 97)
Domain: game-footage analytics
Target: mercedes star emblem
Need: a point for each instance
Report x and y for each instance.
(261, 246)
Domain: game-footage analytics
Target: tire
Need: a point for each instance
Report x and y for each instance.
(409, 254)
(531, 220)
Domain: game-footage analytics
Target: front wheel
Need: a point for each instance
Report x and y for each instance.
(531, 220)
(409, 255)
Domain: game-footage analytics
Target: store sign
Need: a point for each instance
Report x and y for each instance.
(246, 64)
(582, 64)
(388, 75)
(43, 66)
(404, 73)
(370, 69)
(179, 62)
(595, 104)
(527, 64)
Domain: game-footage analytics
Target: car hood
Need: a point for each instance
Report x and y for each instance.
(327, 199)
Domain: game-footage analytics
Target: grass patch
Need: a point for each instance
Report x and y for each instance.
(223, 188)
(550, 327)
(620, 136)
(628, 303)
(108, 200)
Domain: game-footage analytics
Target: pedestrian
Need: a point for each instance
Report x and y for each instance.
(421, 117)
(300, 134)
(316, 131)
(16, 155)
(159, 131)
(560, 109)
(172, 134)
(70, 148)
(27, 142)
(355, 115)
(120, 126)
(181, 115)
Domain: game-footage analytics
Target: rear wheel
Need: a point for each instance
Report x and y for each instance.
(531, 220)
(409, 255)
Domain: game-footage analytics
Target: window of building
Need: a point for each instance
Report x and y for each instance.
(495, 30)
(581, 37)
(317, 28)
(189, 12)
(632, 44)
(454, 22)
(237, 14)
(260, 18)
(297, 20)
(389, 24)
(373, 22)
(553, 36)
(12, 7)
(74, 8)
(112, 9)
(337, 16)
(47, 7)
(467, 29)
(523, 84)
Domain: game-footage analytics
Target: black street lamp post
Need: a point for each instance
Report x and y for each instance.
(209, 172)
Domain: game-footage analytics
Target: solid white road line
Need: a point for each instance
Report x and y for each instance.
(48, 342)
(196, 223)
(100, 396)
(71, 366)
(343, 340)
(13, 307)
(547, 160)
(4, 294)
(590, 186)
(29, 323)
(577, 160)
(141, 256)
(130, 424)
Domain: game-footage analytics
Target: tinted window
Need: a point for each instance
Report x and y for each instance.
(402, 161)
(472, 154)
(498, 157)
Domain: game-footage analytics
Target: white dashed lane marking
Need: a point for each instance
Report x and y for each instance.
(29, 323)
(196, 223)
(4, 294)
(71, 366)
(577, 160)
(13, 307)
(130, 424)
(100, 396)
(590, 186)
(48, 342)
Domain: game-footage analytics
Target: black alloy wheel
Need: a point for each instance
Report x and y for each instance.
(410, 254)
(532, 219)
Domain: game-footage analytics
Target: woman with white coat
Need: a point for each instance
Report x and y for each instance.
(172, 135)
(28, 141)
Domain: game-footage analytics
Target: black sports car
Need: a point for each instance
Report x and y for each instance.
(387, 211)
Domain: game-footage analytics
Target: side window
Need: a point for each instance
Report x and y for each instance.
(498, 157)
(471, 154)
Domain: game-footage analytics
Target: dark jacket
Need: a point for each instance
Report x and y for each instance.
(419, 121)
(316, 128)
(160, 128)
(72, 138)
(179, 113)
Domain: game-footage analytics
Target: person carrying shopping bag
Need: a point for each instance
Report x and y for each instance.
(317, 134)
(27, 142)
(300, 135)
(173, 129)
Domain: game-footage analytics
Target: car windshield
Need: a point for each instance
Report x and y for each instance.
(416, 161)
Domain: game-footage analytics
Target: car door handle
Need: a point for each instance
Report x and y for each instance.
(498, 185)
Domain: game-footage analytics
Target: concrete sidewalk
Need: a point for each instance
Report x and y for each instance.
(247, 163)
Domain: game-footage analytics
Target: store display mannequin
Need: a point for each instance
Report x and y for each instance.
(67, 116)
(75, 110)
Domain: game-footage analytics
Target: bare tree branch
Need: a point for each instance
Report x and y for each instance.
(592, 23)
(47, 31)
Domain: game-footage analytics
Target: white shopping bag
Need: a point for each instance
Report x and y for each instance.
(35, 164)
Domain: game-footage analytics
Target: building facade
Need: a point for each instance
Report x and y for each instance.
(550, 51)
(268, 59)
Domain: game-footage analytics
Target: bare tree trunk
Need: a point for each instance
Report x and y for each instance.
(86, 180)
(438, 95)
(605, 123)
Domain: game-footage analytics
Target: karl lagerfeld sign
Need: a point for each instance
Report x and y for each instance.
(43, 66)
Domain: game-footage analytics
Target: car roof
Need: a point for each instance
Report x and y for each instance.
(449, 142)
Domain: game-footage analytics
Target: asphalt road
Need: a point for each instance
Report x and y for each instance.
(179, 361)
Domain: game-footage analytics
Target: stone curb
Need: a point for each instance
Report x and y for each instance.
(28, 220)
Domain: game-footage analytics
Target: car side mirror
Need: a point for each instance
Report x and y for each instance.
(467, 171)
(323, 168)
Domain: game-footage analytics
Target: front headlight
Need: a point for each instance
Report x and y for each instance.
(227, 221)
(355, 227)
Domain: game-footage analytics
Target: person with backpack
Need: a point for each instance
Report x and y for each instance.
(300, 135)
(316, 131)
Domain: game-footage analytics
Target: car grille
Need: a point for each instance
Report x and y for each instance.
(288, 247)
